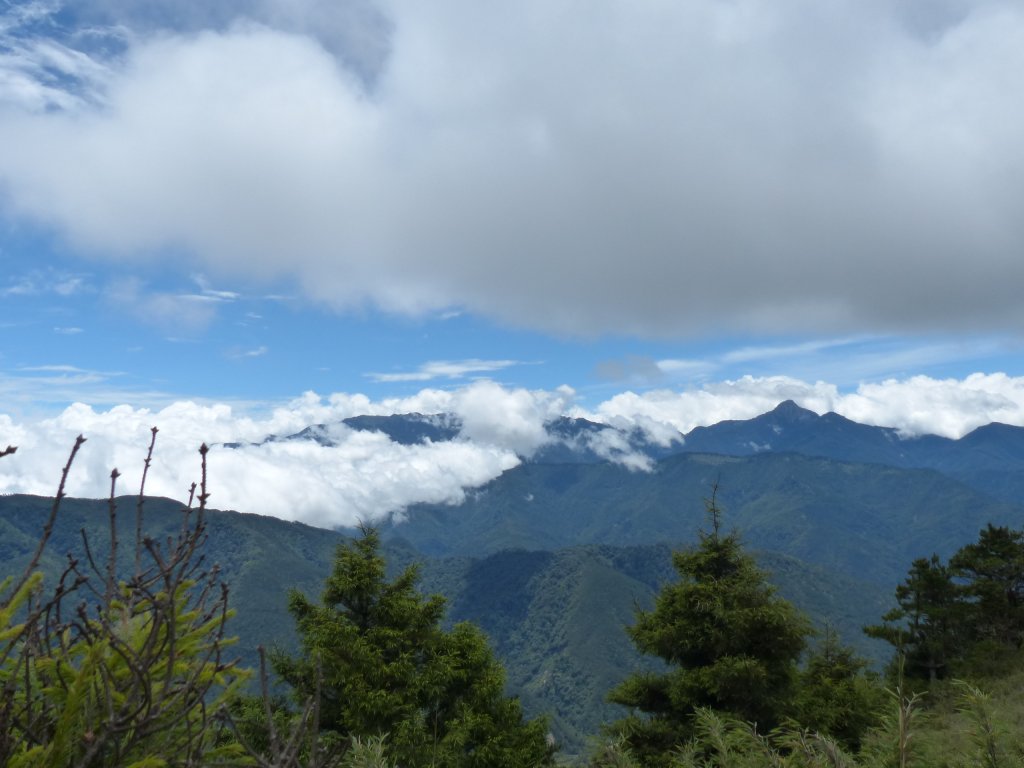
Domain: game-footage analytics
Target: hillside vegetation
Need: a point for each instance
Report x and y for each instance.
(553, 568)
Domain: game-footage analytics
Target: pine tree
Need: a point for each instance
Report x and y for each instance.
(730, 643)
(929, 626)
(374, 652)
(837, 697)
(993, 569)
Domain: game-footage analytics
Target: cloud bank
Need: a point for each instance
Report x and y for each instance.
(365, 476)
(655, 169)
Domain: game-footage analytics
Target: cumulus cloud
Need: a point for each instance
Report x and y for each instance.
(950, 407)
(515, 418)
(638, 168)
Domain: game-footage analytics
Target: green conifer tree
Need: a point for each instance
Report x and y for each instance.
(993, 569)
(730, 643)
(928, 625)
(837, 697)
(374, 652)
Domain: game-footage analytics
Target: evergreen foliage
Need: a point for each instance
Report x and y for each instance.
(836, 696)
(965, 728)
(927, 626)
(730, 644)
(375, 656)
(993, 569)
(961, 616)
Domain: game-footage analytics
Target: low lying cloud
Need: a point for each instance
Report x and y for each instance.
(366, 476)
(363, 476)
(915, 406)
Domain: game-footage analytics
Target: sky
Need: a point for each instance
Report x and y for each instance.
(240, 218)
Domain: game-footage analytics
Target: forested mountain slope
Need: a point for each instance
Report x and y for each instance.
(552, 557)
(865, 521)
(555, 618)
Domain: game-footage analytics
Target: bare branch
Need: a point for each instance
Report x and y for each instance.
(33, 564)
(142, 498)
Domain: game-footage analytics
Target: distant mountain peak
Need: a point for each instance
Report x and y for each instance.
(409, 428)
(790, 411)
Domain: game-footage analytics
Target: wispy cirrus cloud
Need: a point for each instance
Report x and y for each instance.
(172, 311)
(58, 369)
(206, 290)
(801, 349)
(237, 353)
(41, 72)
(846, 361)
(41, 282)
(445, 369)
(39, 391)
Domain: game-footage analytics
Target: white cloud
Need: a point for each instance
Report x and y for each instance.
(916, 405)
(664, 413)
(365, 476)
(514, 419)
(949, 407)
(638, 168)
(614, 446)
(445, 369)
(49, 281)
(802, 349)
(243, 354)
(174, 312)
(207, 291)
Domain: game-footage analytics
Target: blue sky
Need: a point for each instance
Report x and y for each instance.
(664, 214)
(77, 328)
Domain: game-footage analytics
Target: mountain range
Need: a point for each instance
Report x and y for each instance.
(990, 458)
(552, 557)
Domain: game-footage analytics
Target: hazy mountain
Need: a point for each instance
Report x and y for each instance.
(866, 521)
(402, 428)
(990, 459)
